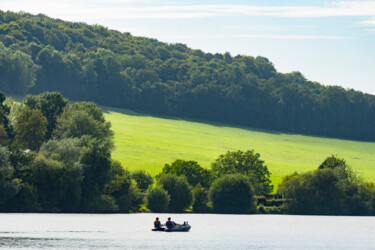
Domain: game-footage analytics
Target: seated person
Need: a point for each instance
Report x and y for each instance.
(169, 223)
(157, 223)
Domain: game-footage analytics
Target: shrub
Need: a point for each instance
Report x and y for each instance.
(200, 199)
(232, 194)
(157, 199)
(179, 190)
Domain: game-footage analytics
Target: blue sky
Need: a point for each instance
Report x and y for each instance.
(331, 42)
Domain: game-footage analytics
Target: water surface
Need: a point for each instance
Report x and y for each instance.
(209, 231)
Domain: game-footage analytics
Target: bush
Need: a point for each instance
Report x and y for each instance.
(179, 190)
(157, 199)
(200, 199)
(103, 204)
(232, 194)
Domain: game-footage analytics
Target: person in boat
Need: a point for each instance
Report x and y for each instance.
(169, 224)
(157, 223)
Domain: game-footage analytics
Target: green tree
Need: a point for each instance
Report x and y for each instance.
(200, 199)
(17, 71)
(81, 119)
(232, 194)
(193, 172)
(123, 189)
(247, 163)
(51, 104)
(96, 172)
(157, 199)
(6, 129)
(8, 186)
(68, 153)
(331, 189)
(314, 192)
(31, 128)
(48, 181)
(143, 179)
(179, 190)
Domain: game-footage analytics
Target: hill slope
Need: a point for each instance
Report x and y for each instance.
(91, 62)
(149, 142)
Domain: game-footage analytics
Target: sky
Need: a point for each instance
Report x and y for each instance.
(331, 42)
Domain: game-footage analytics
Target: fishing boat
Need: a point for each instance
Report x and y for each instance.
(185, 227)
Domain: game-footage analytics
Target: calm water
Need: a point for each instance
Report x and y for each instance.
(133, 231)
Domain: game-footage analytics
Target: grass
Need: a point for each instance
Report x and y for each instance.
(147, 142)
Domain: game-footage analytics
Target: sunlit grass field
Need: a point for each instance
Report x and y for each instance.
(147, 142)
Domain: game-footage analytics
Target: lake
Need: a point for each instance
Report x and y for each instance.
(209, 231)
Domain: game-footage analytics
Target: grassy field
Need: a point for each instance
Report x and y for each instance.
(146, 142)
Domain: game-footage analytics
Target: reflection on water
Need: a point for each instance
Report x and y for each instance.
(133, 231)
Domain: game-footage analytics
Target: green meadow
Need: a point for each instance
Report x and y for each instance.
(148, 142)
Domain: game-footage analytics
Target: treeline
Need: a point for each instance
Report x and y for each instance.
(238, 183)
(93, 63)
(56, 157)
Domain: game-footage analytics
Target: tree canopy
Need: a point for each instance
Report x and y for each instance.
(92, 63)
(247, 163)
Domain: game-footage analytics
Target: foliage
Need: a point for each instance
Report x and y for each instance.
(193, 172)
(157, 199)
(246, 163)
(96, 171)
(143, 179)
(17, 71)
(232, 194)
(179, 191)
(31, 128)
(81, 119)
(91, 62)
(330, 190)
(8, 186)
(200, 199)
(51, 104)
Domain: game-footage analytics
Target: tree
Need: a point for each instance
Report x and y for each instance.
(81, 119)
(157, 199)
(332, 189)
(247, 163)
(48, 181)
(315, 192)
(51, 104)
(17, 71)
(332, 162)
(200, 199)
(31, 128)
(8, 186)
(179, 190)
(6, 129)
(68, 153)
(96, 172)
(143, 179)
(193, 172)
(123, 189)
(232, 194)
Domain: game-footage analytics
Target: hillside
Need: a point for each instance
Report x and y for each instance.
(149, 142)
(93, 63)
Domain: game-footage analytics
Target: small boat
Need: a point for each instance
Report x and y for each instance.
(178, 228)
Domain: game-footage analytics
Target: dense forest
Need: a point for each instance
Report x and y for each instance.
(92, 63)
